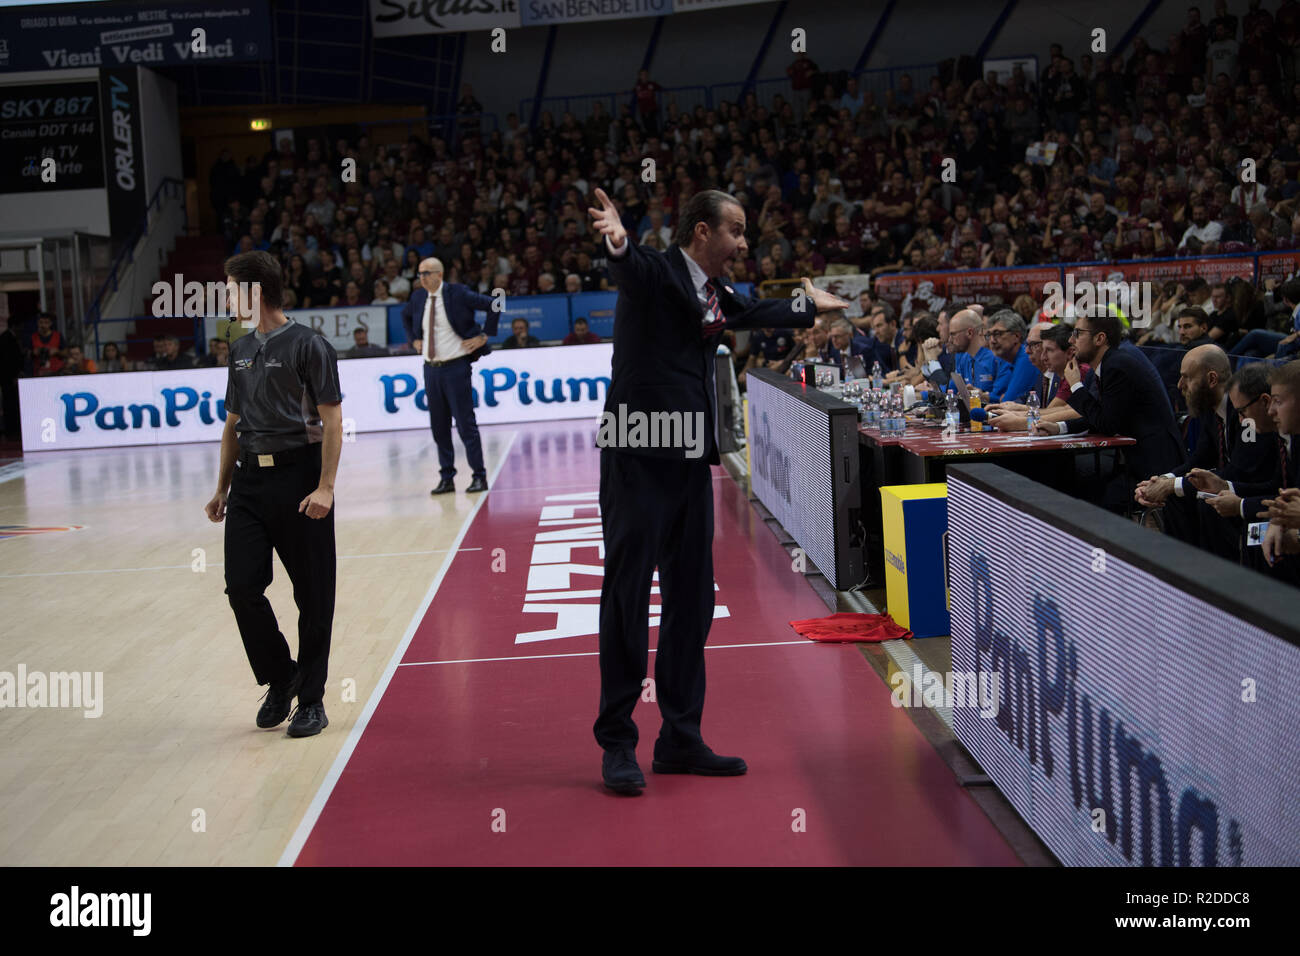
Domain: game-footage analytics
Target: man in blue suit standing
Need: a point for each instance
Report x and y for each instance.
(439, 320)
(656, 497)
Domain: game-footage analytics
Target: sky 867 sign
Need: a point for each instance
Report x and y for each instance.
(51, 120)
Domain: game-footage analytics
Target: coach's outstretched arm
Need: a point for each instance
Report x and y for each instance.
(785, 313)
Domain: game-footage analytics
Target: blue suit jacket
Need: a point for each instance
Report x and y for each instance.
(460, 302)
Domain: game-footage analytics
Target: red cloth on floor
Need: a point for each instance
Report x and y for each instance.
(851, 627)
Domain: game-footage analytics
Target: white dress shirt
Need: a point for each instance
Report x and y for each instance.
(447, 345)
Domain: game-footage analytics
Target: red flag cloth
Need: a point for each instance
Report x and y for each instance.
(847, 627)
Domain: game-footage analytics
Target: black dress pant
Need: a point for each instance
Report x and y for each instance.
(262, 515)
(654, 512)
(447, 389)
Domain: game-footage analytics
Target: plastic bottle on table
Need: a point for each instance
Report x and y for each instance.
(877, 376)
(976, 401)
(1034, 415)
(952, 413)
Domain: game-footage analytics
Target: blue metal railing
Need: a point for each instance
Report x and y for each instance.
(127, 253)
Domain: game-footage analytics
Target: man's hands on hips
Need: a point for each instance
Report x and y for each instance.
(477, 342)
(318, 503)
(606, 220)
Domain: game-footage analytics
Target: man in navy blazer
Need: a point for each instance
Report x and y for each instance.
(656, 488)
(439, 320)
(1131, 400)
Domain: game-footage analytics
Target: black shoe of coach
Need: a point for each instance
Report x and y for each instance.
(444, 487)
(278, 700)
(701, 760)
(621, 773)
(478, 484)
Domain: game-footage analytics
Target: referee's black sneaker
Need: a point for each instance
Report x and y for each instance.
(445, 487)
(308, 720)
(277, 700)
(478, 484)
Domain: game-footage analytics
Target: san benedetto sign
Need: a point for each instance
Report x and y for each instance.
(404, 17)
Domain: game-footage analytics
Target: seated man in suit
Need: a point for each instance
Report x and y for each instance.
(439, 320)
(1247, 501)
(1131, 399)
(1203, 381)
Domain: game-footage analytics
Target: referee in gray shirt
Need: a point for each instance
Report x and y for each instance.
(279, 455)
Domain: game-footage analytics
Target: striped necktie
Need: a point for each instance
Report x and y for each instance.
(713, 318)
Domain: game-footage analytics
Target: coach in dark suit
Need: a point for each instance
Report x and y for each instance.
(1131, 398)
(439, 320)
(656, 497)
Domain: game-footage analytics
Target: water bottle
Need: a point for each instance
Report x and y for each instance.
(1033, 415)
(952, 413)
(877, 376)
(873, 408)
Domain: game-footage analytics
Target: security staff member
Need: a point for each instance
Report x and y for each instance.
(439, 320)
(656, 503)
(279, 456)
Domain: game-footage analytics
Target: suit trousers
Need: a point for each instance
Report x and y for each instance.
(262, 515)
(447, 389)
(654, 512)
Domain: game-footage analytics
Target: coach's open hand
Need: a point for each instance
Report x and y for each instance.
(318, 503)
(606, 220)
(822, 300)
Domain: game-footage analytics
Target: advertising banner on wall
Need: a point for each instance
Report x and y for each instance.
(1123, 731)
(379, 394)
(56, 120)
(337, 325)
(62, 36)
(390, 18)
(123, 149)
(980, 285)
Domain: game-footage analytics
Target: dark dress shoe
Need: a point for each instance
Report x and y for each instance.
(702, 761)
(620, 771)
(478, 484)
(278, 700)
(444, 487)
(308, 720)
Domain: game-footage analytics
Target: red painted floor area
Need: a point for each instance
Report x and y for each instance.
(490, 759)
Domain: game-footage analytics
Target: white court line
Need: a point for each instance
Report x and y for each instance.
(308, 822)
(541, 657)
(215, 564)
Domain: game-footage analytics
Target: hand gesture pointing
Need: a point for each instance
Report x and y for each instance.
(606, 220)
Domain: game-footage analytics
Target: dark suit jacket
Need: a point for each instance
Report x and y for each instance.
(460, 302)
(1206, 453)
(662, 362)
(1132, 401)
(1253, 493)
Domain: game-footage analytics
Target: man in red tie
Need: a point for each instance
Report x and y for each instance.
(439, 320)
(656, 496)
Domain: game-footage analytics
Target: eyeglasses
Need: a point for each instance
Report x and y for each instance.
(994, 334)
(430, 272)
(1242, 410)
(1077, 331)
(1031, 346)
